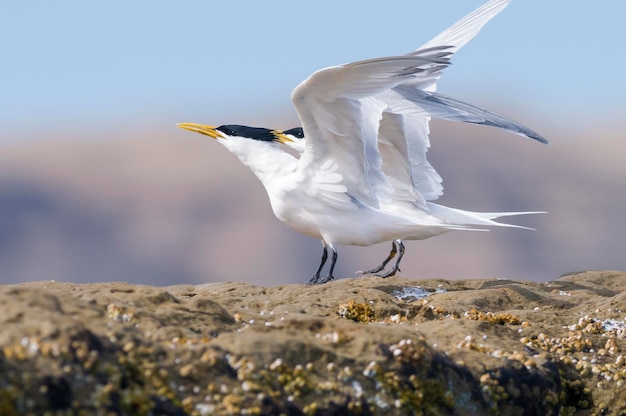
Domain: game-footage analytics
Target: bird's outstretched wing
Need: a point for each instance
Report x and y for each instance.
(403, 143)
(371, 118)
(403, 137)
(448, 108)
(457, 35)
(341, 115)
(410, 105)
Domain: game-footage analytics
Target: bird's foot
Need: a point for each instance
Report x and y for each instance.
(390, 273)
(325, 280)
(372, 271)
(314, 280)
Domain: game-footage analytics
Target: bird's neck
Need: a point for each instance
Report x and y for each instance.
(268, 161)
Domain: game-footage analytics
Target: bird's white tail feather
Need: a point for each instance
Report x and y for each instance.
(468, 218)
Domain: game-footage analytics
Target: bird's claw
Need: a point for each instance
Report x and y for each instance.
(390, 273)
(372, 271)
(315, 280)
(376, 272)
(327, 279)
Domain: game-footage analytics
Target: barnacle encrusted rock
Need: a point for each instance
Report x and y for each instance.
(354, 346)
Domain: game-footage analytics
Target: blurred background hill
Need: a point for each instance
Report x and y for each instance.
(97, 184)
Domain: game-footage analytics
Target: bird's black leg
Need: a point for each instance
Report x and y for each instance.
(333, 260)
(380, 268)
(396, 268)
(316, 276)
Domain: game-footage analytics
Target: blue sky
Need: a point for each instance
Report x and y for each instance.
(94, 67)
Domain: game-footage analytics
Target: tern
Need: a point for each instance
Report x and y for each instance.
(362, 176)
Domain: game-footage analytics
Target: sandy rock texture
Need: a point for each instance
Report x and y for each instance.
(364, 346)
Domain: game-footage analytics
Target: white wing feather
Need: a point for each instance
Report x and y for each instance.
(403, 143)
(459, 34)
(404, 146)
(371, 120)
(341, 116)
(466, 28)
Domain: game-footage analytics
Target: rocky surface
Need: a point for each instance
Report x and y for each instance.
(354, 346)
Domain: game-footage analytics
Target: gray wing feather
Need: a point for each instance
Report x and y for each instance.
(447, 108)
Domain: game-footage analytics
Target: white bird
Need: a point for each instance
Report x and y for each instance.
(362, 177)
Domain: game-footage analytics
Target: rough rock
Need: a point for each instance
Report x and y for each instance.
(354, 346)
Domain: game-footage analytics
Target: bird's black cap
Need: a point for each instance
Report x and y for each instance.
(256, 133)
(296, 132)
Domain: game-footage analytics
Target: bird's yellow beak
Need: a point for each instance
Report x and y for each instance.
(280, 137)
(202, 129)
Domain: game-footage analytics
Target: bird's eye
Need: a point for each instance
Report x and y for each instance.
(227, 131)
(296, 132)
